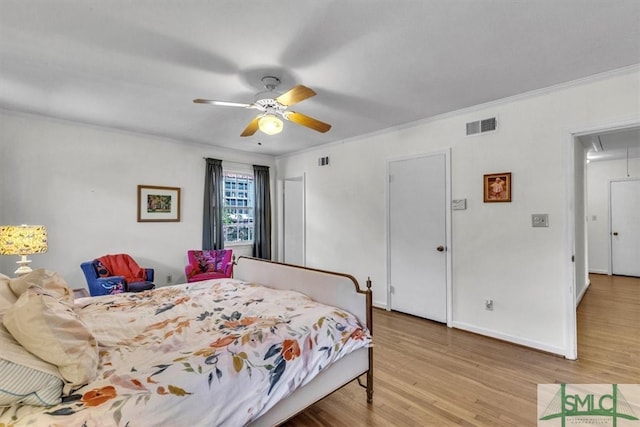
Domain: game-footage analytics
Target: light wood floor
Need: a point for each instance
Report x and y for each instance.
(429, 375)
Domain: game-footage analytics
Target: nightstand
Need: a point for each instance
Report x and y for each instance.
(80, 293)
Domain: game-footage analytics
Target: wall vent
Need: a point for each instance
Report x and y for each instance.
(323, 161)
(481, 126)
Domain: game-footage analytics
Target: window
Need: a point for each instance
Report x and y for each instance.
(237, 214)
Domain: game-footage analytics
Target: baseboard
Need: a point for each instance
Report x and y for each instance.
(379, 304)
(598, 271)
(584, 291)
(510, 338)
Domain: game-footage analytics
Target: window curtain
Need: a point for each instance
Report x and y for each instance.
(262, 205)
(212, 228)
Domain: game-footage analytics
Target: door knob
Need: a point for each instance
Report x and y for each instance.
(440, 248)
(615, 233)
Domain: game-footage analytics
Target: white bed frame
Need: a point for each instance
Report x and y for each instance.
(338, 290)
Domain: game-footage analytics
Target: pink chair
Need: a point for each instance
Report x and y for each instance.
(209, 264)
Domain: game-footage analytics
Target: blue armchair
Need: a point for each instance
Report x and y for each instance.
(102, 284)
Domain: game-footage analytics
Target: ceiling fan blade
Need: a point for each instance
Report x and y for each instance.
(251, 128)
(307, 121)
(295, 95)
(222, 103)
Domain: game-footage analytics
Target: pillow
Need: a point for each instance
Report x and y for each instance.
(50, 329)
(101, 269)
(24, 378)
(7, 298)
(209, 261)
(49, 280)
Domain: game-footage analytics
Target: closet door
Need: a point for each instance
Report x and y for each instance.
(625, 227)
(417, 236)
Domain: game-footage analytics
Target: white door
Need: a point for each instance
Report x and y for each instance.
(625, 227)
(417, 236)
(293, 224)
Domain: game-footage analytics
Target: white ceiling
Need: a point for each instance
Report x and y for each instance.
(612, 145)
(375, 64)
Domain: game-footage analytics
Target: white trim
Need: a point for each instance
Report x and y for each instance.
(387, 228)
(448, 227)
(381, 304)
(449, 238)
(570, 322)
(609, 231)
(510, 338)
(491, 104)
(598, 271)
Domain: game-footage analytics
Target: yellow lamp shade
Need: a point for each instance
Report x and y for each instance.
(23, 240)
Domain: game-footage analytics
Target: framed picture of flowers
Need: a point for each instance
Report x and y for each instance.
(158, 204)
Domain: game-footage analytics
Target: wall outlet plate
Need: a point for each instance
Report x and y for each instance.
(539, 220)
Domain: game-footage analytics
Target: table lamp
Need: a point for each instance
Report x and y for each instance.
(23, 240)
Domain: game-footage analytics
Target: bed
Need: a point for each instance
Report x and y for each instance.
(252, 350)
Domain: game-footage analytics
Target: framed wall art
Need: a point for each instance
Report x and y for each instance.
(497, 187)
(158, 204)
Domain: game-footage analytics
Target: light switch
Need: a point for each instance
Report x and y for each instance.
(540, 220)
(459, 204)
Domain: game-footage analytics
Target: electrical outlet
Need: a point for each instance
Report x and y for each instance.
(540, 220)
(169, 278)
(488, 305)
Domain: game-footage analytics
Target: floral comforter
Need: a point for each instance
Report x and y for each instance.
(220, 352)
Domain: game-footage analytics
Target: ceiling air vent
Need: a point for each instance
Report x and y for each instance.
(481, 126)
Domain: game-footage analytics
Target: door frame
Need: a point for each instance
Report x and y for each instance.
(610, 225)
(572, 182)
(449, 248)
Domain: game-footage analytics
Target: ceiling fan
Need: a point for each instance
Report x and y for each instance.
(271, 104)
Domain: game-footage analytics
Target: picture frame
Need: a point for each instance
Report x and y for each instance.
(497, 187)
(158, 204)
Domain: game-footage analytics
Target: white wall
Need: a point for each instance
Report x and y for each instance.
(81, 182)
(599, 174)
(496, 253)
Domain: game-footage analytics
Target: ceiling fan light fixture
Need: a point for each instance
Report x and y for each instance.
(270, 124)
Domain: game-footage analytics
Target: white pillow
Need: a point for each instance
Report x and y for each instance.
(24, 378)
(7, 298)
(49, 280)
(50, 329)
